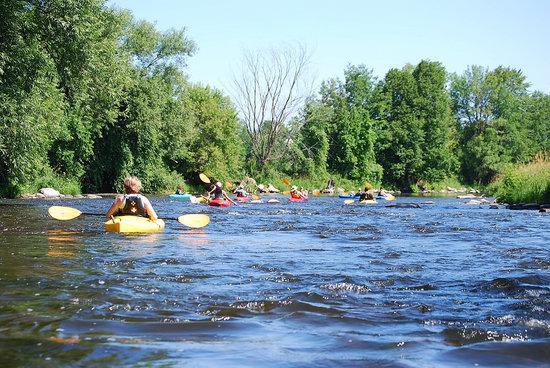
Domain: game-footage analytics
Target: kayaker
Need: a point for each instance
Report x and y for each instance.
(179, 190)
(218, 192)
(382, 192)
(295, 193)
(240, 191)
(366, 195)
(132, 203)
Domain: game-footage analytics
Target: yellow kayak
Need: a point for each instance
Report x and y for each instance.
(133, 224)
(368, 201)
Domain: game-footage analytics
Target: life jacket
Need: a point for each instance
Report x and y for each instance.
(133, 205)
(241, 193)
(295, 195)
(218, 192)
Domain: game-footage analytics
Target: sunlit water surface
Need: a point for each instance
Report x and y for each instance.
(318, 284)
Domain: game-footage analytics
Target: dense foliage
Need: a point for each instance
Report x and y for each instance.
(526, 183)
(89, 95)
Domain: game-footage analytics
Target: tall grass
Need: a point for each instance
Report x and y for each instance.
(527, 183)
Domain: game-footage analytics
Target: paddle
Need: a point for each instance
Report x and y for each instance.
(68, 213)
(204, 178)
(349, 201)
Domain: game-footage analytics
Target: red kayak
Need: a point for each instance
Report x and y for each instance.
(301, 199)
(242, 198)
(219, 202)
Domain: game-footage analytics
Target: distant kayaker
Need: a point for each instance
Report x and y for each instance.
(217, 191)
(132, 203)
(240, 191)
(179, 190)
(366, 195)
(295, 193)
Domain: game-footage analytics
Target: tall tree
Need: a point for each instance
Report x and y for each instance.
(490, 106)
(433, 106)
(269, 90)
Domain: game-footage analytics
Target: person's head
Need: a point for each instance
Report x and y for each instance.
(218, 185)
(132, 185)
(180, 187)
(366, 189)
(294, 188)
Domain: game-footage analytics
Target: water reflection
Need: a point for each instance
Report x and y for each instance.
(62, 243)
(194, 237)
(137, 245)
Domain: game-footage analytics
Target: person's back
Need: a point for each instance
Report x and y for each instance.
(132, 203)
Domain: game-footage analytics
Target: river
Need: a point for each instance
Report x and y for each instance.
(318, 284)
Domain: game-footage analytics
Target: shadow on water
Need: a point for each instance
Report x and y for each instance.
(313, 284)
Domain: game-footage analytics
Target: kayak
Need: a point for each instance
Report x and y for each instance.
(242, 199)
(368, 201)
(197, 199)
(302, 199)
(349, 195)
(219, 202)
(180, 196)
(389, 197)
(133, 224)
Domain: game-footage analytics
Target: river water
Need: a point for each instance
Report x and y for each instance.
(317, 284)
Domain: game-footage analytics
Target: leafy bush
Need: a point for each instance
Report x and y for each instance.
(528, 183)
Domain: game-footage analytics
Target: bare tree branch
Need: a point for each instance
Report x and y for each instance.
(269, 90)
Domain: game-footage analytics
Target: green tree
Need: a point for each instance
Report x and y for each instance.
(400, 148)
(495, 110)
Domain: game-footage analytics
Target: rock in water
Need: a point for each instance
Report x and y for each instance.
(403, 205)
(49, 192)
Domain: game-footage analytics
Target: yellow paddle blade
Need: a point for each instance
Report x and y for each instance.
(348, 201)
(228, 184)
(194, 220)
(63, 213)
(255, 197)
(316, 193)
(285, 180)
(204, 178)
(286, 192)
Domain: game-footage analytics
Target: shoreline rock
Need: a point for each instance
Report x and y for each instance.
(529, 206)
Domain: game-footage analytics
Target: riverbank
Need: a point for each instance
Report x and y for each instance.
(527, 183)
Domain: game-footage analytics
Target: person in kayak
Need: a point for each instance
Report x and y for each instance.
(132, 203)
(179, 190)
(240, 191)
(366, 195)
(295, 193)
(217, 191)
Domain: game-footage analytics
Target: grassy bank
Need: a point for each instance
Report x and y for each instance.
(528, 183)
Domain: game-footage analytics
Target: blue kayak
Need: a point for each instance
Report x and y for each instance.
(180, 196)
(349, 195)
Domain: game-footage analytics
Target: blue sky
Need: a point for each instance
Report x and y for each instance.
(381, 35)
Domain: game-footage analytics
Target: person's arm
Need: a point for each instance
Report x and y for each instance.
(117, 203)
(229, 199)
(149, 208)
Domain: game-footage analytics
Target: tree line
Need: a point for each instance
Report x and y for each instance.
(88, 95)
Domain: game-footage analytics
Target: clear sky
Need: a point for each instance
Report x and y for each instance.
(379, 34)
